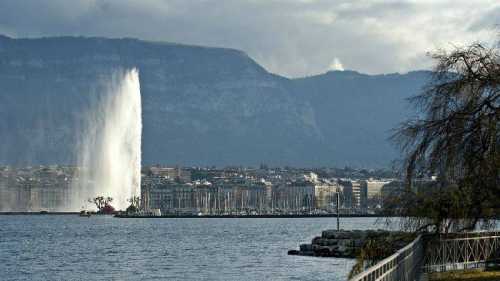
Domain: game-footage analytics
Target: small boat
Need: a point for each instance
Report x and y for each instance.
(84, 213)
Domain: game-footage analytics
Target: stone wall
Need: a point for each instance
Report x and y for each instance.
(348, 243)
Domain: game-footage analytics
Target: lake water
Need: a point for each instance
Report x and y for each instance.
(69, 247)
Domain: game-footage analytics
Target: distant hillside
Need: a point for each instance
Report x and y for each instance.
(201, 106)
(356, 113)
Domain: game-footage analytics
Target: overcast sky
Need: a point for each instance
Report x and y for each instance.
(291, 38)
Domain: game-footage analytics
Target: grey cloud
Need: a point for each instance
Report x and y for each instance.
(292, 38)
(490, 19)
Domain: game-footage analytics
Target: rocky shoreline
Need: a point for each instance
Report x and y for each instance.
(346, 243)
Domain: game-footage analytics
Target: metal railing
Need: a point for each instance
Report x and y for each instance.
(464, 251)
(404, 265)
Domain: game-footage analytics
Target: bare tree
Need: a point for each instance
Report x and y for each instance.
(135, 204)
(101, 202)
(452, 166)
(135, 201)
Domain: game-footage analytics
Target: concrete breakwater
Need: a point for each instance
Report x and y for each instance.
(349, 243)
(124, 215)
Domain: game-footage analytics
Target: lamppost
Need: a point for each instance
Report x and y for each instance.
(338, 209)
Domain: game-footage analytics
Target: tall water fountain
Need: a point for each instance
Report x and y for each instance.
(109, 155)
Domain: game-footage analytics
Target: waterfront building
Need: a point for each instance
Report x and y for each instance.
(173, 173)
(325, 193)
(293, 197)
(359, 194)
(347, 194)
(169, 196)
(34, 189)
(355, 194)
(224, 196)
(374, 192)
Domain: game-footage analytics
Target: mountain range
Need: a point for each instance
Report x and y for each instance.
(201, 105)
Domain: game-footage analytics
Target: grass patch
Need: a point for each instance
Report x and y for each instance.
(466, 275)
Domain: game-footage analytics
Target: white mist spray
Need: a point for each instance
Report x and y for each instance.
(110, 152)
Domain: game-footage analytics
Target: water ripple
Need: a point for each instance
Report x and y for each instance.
(104, 248)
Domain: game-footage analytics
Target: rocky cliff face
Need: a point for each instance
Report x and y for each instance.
(201, 106)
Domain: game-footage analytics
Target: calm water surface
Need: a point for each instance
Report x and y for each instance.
(106, 248)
